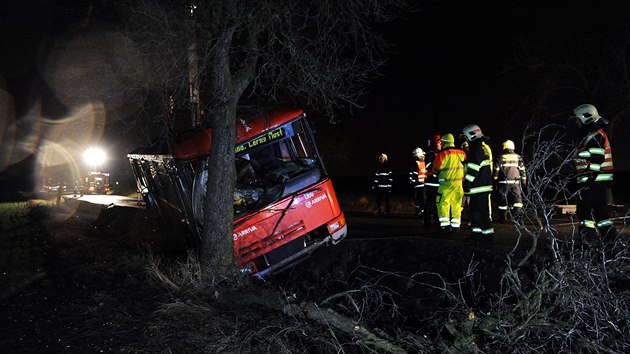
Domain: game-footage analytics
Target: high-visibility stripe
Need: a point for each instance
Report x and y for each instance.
(470, 178)
(480, 189)
(473, 166)
(604, 177)
(597, 151)
(604, 223)
(594, 167)
(503, 207)
(517, 205)
(589, 224)
(488, 231)
(451, 179)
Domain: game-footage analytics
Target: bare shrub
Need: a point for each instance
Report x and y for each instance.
(569, 297)
(205, 312)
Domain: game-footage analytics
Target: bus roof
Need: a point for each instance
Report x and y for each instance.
(198, 143)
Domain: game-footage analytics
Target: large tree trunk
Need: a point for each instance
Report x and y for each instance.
(216, 245)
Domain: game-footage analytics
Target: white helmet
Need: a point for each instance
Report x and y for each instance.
(587, 113)
(472, 132)
(508, 145)
(418, 152)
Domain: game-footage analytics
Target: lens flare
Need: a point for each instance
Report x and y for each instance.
(94, 156)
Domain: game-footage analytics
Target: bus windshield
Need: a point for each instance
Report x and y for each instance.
(271, 166)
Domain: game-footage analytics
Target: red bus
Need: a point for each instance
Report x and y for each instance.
(285, 204)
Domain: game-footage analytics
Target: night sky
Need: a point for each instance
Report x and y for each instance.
(449, 67)
(453, 66)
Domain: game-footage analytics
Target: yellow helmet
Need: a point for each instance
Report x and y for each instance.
(448, 140)
(508, 145)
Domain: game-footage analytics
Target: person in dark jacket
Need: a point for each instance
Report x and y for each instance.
(594, 173)
(478, 181)
(383, 183)
(510, 177)
(431, 182)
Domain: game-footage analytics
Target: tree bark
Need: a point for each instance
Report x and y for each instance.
(216, 245)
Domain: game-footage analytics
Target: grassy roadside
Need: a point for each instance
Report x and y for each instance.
(22, 246)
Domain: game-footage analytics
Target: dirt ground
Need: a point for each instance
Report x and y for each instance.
(70, 286)
(76, 279)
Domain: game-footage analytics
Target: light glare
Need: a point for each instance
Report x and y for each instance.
(94, 156)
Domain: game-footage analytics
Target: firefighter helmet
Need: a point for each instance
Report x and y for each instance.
(448, 140)
(587, 113)
(417, 152)
(508, 145)
(472, 132)
(382, 158)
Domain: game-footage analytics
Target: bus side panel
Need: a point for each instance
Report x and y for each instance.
(283, 222)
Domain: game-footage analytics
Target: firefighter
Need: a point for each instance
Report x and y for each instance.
(417, 176)
(510, 177)
(478, 181)
(431, 183)
(449, 167)
(383, 183)
(594, 173)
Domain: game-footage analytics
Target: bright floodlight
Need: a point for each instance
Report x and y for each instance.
(94, 157)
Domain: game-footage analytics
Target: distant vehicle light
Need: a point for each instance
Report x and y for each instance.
(94, 156)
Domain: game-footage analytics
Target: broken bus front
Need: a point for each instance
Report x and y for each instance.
(285, 204)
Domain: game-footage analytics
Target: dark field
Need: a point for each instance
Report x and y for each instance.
(83, 278)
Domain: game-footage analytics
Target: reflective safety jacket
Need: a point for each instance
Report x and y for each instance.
(510, 169)
(478, 169)
(449, 165)
(418, 174)
(383, 178)
(594, 163)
